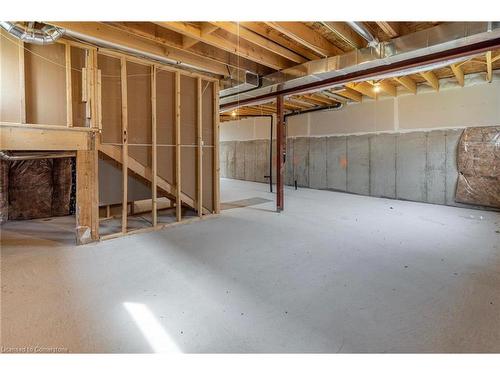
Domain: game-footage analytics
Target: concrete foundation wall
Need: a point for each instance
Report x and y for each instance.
(418, 166)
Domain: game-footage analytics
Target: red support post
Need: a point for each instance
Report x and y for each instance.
(280, 153)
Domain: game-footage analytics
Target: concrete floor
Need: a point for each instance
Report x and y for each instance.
(333, 273)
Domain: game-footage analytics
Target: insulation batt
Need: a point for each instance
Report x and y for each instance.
(39, 188)
(479, 167)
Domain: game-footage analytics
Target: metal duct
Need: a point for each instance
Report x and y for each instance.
(444, 42)
(106, 44)
(46, 35)
(364, 33)
(9, 156)
(251, 82)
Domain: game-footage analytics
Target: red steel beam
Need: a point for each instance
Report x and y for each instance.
(280, 153)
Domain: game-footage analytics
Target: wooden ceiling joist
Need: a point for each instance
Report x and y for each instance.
(309, 38)
(431, 79)
(387, 87)
(274, 35)
(350, 94)
(252, 37)
(240, 48)
(235, 66)
(364, 88)
(347, 34)
(459, 74)
(141, 43)
(391, 29)
(408, 83)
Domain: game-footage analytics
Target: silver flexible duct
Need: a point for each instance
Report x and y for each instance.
(46, 35)
(363, 32)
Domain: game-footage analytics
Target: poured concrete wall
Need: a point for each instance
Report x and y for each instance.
(401, 147)
(418, 166)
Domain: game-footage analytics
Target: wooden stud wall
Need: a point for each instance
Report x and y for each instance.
(91, 96)
(179, 135)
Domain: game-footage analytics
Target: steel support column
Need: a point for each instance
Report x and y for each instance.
(280, 153)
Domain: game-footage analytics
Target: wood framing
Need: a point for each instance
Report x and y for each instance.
(154, 153)
(272, 34)
(459, 74)
(114, 35)
(346, 33)
(408, 83)
(387, 87)
(306, 37)
(199, 150)
(431, 79)
(216, 172)
(69, 99)
(391, 29)
(178, 180)
(123, 78)
(33, 137)
(364, 88)
(87, 211)
(240, 48)
(22, 86)
(489, 66)
(250, 36)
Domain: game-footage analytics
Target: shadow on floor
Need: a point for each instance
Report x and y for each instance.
(243, 203)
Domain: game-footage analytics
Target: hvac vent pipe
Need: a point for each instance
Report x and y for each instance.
(46, 35)
(364, 33)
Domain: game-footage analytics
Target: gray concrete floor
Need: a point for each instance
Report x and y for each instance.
(333, 273)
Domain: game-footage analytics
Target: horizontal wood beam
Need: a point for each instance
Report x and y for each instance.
(274, 35)
(350, 94)
(25, 137)
(346, 33)
(260, 41)
(117, 36)
(391, 29)
(306, 36)
(152, 32)
(241, 49)
(363, 88)
(387, 87)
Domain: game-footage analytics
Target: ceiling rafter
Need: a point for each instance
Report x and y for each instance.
(252, 37)
(431, 78)
(349, 94)
(272, 34)
(306, 36)
(459, 74)
(391, 29)
(241, 48)
(408, 83)
(346, 33)
(364, 88)
(148, 44)
(386, 87)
